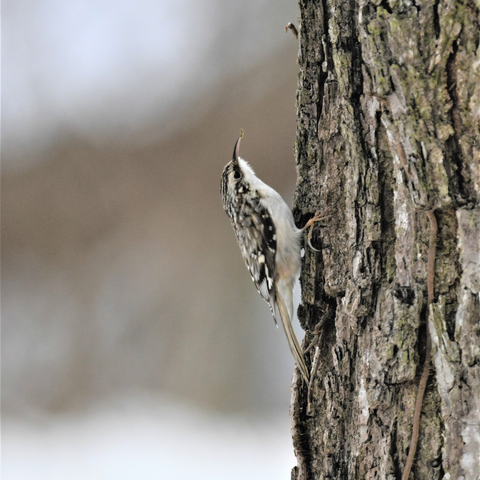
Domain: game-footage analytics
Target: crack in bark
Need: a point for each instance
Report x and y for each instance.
(457, 182)
(326, 49)
(436, 19)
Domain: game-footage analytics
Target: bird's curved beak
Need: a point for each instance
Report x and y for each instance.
(236, 149)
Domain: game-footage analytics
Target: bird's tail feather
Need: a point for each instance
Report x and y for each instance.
(293, 343)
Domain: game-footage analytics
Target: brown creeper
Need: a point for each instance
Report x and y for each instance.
(269, 241)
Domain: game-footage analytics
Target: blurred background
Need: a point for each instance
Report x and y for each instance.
(134, 344)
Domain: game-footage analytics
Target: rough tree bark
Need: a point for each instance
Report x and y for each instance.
(388, 131)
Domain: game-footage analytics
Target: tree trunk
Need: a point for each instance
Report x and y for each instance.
(388, 144)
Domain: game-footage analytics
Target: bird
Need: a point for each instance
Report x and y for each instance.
(269, 241)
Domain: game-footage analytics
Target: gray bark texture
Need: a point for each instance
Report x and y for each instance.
(388, 108)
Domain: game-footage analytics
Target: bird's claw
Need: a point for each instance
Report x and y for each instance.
(316, 218)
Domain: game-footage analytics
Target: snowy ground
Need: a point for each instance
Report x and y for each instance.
(145, 440)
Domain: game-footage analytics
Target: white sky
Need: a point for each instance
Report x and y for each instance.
(109, 66)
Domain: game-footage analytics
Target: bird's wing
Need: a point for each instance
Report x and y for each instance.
(259, 246)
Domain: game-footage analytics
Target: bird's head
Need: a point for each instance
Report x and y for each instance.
(238, 178)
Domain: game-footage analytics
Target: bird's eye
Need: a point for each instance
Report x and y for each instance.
(237, 175)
